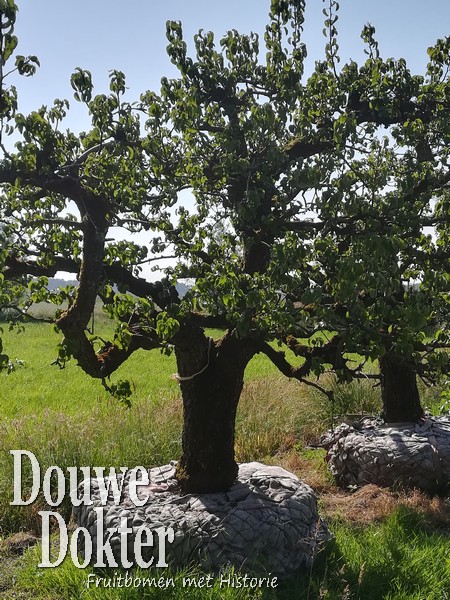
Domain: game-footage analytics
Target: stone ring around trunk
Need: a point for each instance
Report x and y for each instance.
(267, 522)
(411, 455)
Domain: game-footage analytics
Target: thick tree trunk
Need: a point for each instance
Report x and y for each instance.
(399, 393)
(210, 399)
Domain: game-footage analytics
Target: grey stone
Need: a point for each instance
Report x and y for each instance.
(238, 492)
(412, 455)
(269, 517)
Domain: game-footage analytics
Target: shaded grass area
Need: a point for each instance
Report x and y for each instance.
(67, 419)
(399, 558)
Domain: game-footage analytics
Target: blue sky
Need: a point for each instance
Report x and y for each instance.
(100, 35)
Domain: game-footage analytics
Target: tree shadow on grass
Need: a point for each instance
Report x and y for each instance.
(401, 558)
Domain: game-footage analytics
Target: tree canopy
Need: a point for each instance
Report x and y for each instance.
(297, 206)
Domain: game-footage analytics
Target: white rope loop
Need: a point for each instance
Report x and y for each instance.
(190, 377)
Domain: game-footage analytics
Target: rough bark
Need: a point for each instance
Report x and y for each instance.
(210, 399)
(399, 393)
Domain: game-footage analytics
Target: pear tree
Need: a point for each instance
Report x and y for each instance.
(296, 206)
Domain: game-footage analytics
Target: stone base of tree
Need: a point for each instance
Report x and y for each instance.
(404, 454)
(267, 520)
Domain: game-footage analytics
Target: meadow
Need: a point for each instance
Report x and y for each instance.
(388, 544)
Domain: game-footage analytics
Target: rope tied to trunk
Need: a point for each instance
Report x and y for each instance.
(179, 377)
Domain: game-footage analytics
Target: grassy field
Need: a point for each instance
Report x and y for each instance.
(387, 544)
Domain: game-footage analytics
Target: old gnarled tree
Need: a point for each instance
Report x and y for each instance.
(222, 170)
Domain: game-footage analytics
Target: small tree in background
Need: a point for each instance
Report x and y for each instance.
(295, 205)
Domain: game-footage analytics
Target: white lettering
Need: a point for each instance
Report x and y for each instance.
(124, 531)
(112, 484)
(63, 539)
(61, 487)
(163, 533)
(138, 544)
(134, 483)
(36, 471)
(87, 547)
(73, 487)
(104, 546)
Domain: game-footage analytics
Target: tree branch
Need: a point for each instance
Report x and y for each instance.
(278, 358)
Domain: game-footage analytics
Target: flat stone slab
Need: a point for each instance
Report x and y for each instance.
(414, 455)
(268, 519)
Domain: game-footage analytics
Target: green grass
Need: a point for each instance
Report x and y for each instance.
(38, 385)
(398, 559)
(67, 419)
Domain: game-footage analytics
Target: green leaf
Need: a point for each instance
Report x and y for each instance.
(10, 43)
